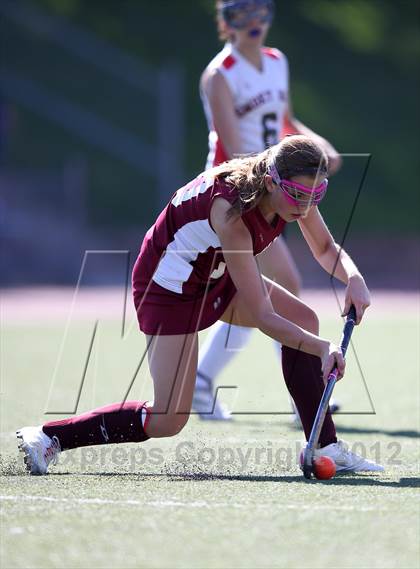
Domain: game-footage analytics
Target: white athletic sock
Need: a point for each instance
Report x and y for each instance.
(222, 344)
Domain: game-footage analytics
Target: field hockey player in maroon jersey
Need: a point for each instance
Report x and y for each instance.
(198, 264)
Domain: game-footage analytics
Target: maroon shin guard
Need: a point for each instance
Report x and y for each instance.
(117, 423)
(303, 376)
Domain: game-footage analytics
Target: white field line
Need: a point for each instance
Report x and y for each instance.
(192, 504)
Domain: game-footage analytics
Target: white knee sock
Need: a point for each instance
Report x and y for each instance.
(222, 344)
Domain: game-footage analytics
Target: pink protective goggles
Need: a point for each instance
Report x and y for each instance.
(297, 194)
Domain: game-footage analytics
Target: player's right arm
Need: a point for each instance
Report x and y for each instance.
(237, 250)
(220, 99)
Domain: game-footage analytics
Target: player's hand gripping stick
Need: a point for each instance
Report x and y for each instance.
(308, 454)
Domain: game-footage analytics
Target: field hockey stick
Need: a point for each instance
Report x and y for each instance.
(308, 454)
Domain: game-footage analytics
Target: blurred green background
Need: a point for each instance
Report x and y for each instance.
(354, 79)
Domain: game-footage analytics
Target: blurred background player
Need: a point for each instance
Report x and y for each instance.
(245, 94)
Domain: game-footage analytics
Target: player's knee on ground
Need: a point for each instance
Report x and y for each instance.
(166, 425)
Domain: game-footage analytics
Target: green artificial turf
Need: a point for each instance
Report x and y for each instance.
(219, 494)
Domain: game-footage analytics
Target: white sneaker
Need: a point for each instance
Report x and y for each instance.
(205, 405)
(347, 461)
(40, 450)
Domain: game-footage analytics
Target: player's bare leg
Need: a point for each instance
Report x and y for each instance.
(225, 340)
(173, 366)
(173, 362)
(303, 375)
(277, 263)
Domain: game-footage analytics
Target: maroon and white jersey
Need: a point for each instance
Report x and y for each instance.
(182, 252)
(180, 280)
(260, 100)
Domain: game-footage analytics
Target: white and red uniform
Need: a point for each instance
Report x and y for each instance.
(260, 100)
(180, 281)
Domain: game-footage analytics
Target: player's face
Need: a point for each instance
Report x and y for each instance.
(248, 21)
(254, 34)
(293, 199)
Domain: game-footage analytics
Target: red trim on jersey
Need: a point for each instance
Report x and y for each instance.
(228, 62)
(287, 128)
(219, 154)
(271, 52)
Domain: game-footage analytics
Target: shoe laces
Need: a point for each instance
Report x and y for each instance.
(51, 453)
(346, 454)
(343, 446)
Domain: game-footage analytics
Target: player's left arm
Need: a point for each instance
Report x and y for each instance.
(335, 261)
(334, 159)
